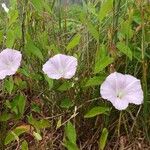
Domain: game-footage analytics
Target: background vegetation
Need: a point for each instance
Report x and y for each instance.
(105, 35)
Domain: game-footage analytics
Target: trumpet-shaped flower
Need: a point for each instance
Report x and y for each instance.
(10, 61)
(60, 66)
(121, 90)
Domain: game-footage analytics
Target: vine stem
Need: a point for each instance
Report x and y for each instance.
(115, 19)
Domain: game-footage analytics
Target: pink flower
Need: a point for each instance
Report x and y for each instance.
(60, 66)
(121, 90)
(10, 61)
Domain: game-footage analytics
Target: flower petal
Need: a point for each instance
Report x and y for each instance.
(121, 90)
(134, 92)
(107, 92)
(110, 86)
(60, 66)
(10, 61)
(120, 104)
(70, 67)
(51, 70)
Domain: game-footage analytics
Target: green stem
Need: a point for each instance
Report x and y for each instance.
(144, 66)
(119, 124)
(115, 18)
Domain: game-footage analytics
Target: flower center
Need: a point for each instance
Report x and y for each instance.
(120, 94)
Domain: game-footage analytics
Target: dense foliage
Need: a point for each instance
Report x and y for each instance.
(37, 112)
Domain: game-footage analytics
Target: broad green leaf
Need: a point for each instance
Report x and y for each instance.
(17, 105)
(38, 124)
(14, 134)
(37, 136)
(41, 5)
(74, 42)
(21, 84)
(126, 29)
(66, 103)
(102, 64)
(13, 16)
(105, 8)
(96, 80)
(91, 28)
(65, 86)
(11, 36)
(103, 139)
(21, 103)
(5, 116)
(35, 108)
(38, 4)
(100, 53)
(32, 49)
(70, 146)
(9, 85)
(24, 145)
(25, 71)
(124, 49)
(70, 132)
(97, 111)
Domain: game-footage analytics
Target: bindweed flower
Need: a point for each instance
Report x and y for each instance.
(5, 7)
(60, 66)
(121, 90)
(10, 61)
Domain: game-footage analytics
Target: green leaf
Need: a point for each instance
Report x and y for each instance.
(14, 134)
(105, 8)
(65, 86)
(5, 116)
(1, 36)
(103, 139)
(38, 124)
(97, 111)
(96, 80)
(66, 103)
(9, 85)
(70, 132)
(59, 122)
(92, 30)
(37, 136)
(102, 64)
(24, 145)
(74, 42)
(21, 103)
(38, 4)
(32, 49)
(126, 29)
(70, 146)
(11, 36)
(17, 105)
(100, 53)
(124, 49)
(13, 16)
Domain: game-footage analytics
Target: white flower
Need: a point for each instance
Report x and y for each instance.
(10, 61)
(60, 66)
(5, 7)
(121, 90)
